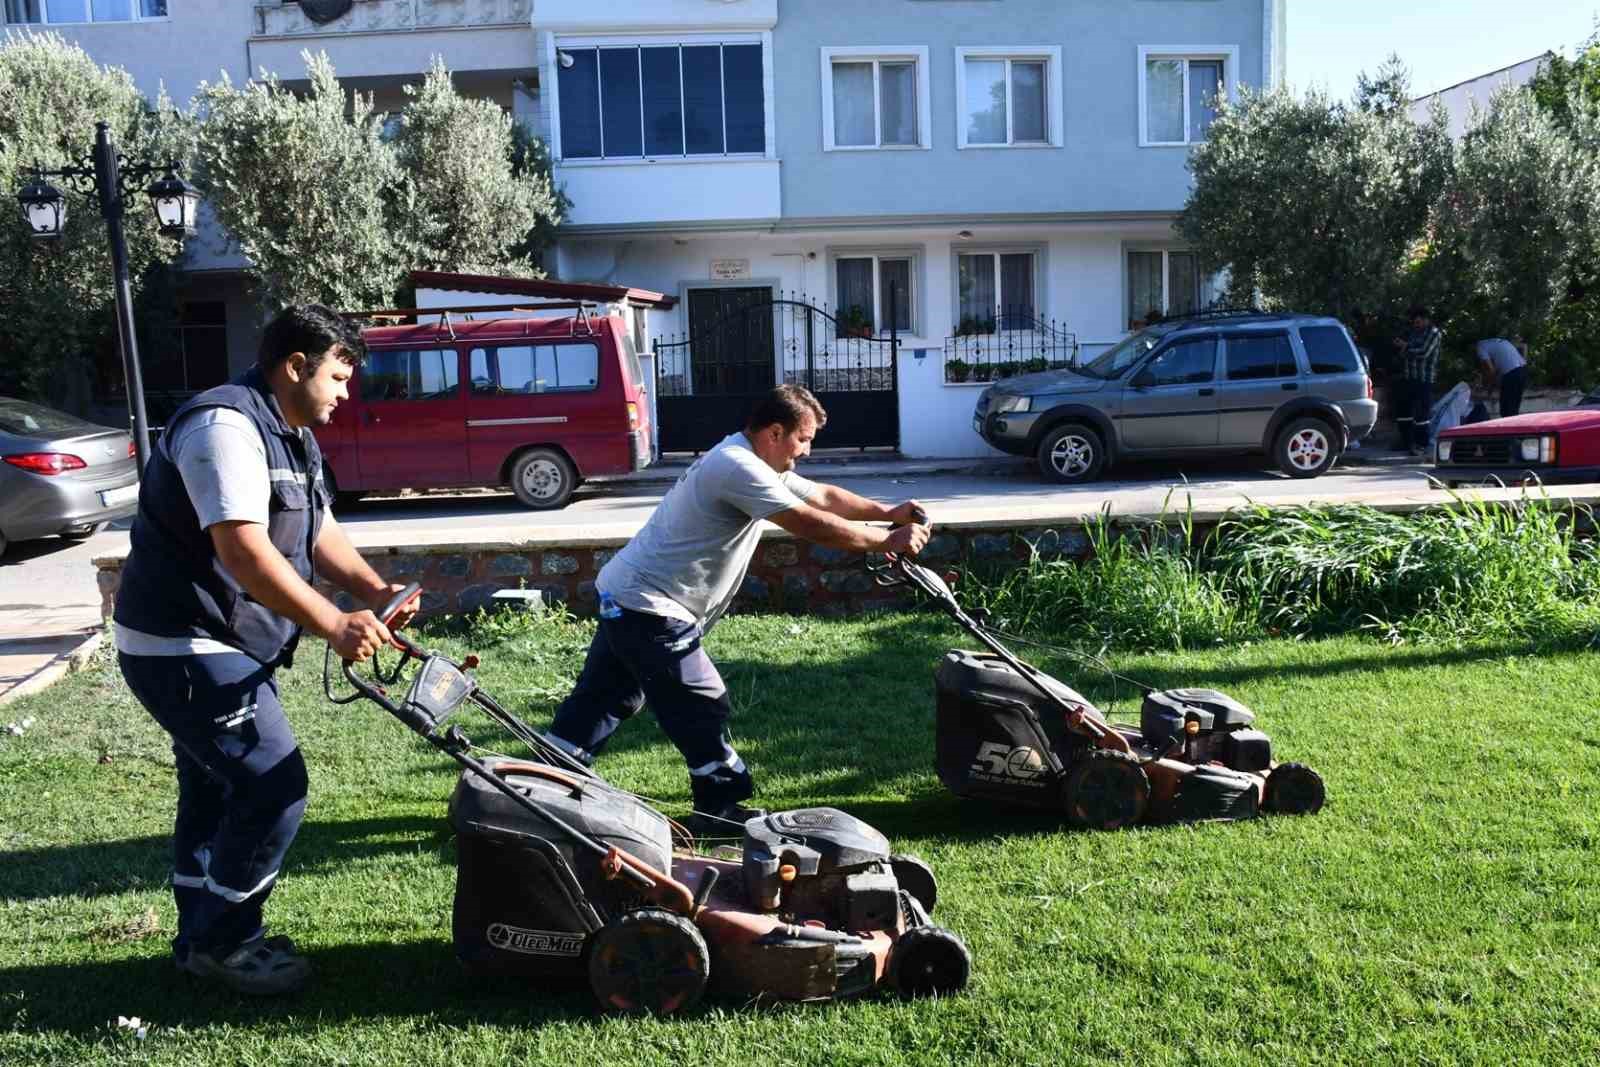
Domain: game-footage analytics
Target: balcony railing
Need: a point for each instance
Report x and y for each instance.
(1013, 341)
(285, 18)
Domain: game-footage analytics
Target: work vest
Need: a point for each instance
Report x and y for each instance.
(173, 584)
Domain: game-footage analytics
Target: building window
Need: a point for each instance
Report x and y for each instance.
(1179, 90)
(58, 12)
(1008, 97)
(995, 291)
(875, 98)
(1162, 284)
(645, 101)
(866, 288)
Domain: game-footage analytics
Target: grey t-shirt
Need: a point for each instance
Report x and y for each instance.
(1501, 354)
(690, 557)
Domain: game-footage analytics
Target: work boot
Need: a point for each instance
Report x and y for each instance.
(726, 822)
(264, 967)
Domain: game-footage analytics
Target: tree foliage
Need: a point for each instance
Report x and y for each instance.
(1312, 202)
(1335, 208)
(329, 208)
(1512, 218)
(57, 300)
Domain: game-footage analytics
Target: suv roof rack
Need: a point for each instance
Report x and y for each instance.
(1214, 314)
(584, 309)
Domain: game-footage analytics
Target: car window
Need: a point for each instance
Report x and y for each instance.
(1259, 355)
(31, 420)
(563, 368)
(1329, 351)
(1186, 363)
(630, 353)
(1125, 353)
(410, 374)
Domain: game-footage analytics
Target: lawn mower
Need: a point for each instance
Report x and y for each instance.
(1008, 732)
(562, 875)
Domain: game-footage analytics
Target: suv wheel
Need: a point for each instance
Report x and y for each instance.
(1071, 453)
(543, 479)
(1305, 448)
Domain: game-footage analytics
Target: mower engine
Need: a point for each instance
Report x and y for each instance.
(832, 865)
(1204, 726)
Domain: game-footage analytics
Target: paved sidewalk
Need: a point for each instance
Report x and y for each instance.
(37, 647)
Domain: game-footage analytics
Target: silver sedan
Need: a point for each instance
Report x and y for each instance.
(60, 474)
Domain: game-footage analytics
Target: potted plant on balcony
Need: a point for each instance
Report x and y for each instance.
(854, 322)
(957, 370)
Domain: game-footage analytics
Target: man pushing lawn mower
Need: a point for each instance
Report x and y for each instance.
(669, 585)
(233, 519)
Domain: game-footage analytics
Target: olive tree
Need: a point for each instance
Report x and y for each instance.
(1315, 203)
(1512, 219)
(57, 299)
(329, 207)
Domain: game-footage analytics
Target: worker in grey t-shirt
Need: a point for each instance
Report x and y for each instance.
(1506, 365)
(669, 585)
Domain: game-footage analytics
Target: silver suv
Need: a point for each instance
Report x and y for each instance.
(1292, 386)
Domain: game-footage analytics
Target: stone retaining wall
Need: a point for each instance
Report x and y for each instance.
(786, 575)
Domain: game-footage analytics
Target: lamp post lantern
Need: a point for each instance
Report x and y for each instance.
(111, 178)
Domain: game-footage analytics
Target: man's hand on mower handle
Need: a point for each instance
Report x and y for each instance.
(403, 617)
(357, 635)
(909, 512)
(907, 540)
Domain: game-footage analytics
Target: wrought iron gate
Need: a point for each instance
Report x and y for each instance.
(707, 380)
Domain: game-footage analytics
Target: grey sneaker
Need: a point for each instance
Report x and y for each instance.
(267, 966)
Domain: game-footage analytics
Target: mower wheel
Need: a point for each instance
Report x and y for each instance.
(929, 961)
(649, 962)
(916, 878)
(1294, 789)
(1105, 790)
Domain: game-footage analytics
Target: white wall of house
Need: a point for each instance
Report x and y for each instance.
(1459, 100)
(1080, 285)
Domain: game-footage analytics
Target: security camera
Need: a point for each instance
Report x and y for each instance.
(565, 59)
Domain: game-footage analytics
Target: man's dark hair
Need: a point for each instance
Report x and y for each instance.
(313, 329)
(1417, 311)
(787, 404)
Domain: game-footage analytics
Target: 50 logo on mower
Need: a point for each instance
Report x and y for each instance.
(534, 942)
(1006, 765)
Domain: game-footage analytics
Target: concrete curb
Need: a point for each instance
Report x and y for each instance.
(65, 663)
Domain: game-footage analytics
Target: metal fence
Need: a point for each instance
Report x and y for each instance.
(1014, 341)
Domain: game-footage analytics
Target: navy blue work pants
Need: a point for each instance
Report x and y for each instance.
(637, 659)
(241, 789)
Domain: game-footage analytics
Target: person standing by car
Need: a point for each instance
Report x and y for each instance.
(1419, 363)
(1505, 363)
(669, 585)
(232, 525)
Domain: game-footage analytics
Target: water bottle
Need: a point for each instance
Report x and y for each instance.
(608, 607)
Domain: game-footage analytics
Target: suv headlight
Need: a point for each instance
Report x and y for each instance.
(1444, 451)
(1004, 404)
(1538, 449)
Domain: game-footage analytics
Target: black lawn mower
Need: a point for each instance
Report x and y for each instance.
(562, 875)
(1008, 732)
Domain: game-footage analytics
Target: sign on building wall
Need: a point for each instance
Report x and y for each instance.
(728, 270)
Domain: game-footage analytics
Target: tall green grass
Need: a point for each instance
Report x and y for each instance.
(1465, 571)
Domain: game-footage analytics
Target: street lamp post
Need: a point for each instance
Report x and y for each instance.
(111, 178)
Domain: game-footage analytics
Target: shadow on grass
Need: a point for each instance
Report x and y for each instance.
(145, 863)
(351, 983)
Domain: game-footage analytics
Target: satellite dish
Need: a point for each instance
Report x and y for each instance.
(320, 11)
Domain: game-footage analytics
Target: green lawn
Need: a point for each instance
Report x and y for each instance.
(1441, 909)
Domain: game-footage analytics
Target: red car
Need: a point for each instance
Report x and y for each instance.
(1546, 446)
(539, 404)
